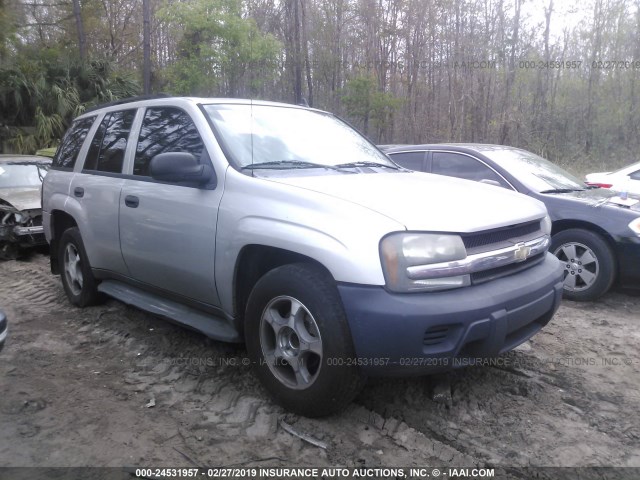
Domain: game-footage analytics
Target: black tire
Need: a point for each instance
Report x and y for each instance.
(589, 263)
(9, 251)
(77, 279)
(327, 381)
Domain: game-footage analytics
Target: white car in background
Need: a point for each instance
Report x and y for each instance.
(626, 179)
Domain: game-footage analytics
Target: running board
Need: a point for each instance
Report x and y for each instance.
(214, 327)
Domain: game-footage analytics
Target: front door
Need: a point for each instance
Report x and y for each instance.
(168, 231)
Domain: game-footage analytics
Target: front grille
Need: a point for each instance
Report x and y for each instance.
(500, 237)
(493, 273)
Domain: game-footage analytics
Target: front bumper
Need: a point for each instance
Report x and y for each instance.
(23, 236)
(3, 329)
(628, 252)
(416, 334)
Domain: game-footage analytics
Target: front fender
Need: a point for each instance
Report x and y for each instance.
(341, 236)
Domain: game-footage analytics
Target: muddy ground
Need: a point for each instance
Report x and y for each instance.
(114, 386)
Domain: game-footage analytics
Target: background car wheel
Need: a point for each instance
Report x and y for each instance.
(75, 271)
(589, 263)
(299, 341)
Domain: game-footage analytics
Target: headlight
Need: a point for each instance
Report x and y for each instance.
(545, 225)
(402, 250)
(635, 225)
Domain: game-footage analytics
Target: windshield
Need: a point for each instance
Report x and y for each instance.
(284, 137)
(533, 171)
(15, 176)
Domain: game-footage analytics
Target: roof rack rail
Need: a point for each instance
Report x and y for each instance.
(128, 100)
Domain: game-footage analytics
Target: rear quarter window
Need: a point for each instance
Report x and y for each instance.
(67, 153)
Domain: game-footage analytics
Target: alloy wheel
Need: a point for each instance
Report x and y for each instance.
(291, 343)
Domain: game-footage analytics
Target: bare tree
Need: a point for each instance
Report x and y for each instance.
(146, 71)
(82, 39)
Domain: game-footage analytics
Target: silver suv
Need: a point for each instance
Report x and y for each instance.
(284, 227)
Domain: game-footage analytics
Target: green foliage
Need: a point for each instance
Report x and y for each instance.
(7, 29)
(220, 52)
(43, 90)
(366, 105)
(466, 70)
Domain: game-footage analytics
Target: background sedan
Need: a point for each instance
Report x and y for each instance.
(595, 233)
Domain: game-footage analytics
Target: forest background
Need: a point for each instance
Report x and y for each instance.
(560, 78)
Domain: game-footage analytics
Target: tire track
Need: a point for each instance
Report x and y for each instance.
(29, 284)
(116, 359)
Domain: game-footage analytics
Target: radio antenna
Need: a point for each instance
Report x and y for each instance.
(251, 95)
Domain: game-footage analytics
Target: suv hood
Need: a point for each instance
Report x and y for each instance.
(426, 202)
(22, 198)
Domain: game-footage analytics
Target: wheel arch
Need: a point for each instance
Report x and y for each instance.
(59, 222)
(252, 263)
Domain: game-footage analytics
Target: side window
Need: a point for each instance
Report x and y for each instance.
(410, 160)
(462, 166)
(67, 152)
(106, 153)
(165, 129)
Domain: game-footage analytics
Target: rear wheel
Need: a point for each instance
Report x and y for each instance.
(299, 341)
(77, 278)
(588, 261)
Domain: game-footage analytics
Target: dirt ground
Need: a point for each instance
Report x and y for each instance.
(114, 386)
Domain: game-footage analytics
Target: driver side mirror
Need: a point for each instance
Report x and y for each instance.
(635, 175)
(180, 167)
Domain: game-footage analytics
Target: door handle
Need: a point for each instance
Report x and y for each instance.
(131, 201)
(78, 192)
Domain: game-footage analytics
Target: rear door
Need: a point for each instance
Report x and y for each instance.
(55, 188)
(96, 188)
(168, 231)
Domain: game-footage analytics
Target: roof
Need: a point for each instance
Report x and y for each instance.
(163, 99)
(478, 147)
(13, 159)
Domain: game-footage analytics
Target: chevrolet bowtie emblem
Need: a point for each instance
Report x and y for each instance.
(522, 252)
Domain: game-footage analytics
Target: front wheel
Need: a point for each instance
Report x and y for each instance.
(299, 341)
(589, 263)
(77, 278)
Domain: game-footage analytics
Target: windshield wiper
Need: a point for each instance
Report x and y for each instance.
(365, 164)
(563, 190)
(286, 164)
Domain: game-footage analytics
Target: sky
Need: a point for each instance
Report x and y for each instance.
(566, 13)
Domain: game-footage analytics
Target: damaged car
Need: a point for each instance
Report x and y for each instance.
(21, 179)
